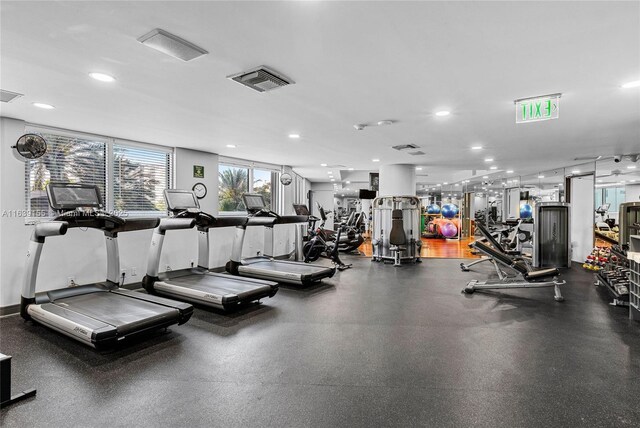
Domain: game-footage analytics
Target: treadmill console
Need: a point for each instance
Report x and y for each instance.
(181, 200)
(254, 203)
(301, 209)
(68, 196)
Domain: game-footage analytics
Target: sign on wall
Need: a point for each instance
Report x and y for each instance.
(535, 109)
(198, 171)
(374, 181)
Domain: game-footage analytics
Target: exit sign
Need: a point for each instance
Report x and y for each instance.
(538, 108)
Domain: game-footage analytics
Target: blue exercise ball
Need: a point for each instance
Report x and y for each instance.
(433, 209)
(526, 211)
(449, 210)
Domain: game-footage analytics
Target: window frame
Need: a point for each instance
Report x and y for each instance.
(110, 142)
(251, 166)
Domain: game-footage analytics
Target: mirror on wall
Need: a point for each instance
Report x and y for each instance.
(617, 183)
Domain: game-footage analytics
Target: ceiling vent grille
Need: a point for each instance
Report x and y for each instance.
(405, 147)
(261, 79)
(8, 96)
(417, 153)
(172, 45)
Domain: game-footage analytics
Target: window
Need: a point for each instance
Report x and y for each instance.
(262, 185)
(71, 159)
(236, 177)
(140, 176)
(233, 182)
(131, 176)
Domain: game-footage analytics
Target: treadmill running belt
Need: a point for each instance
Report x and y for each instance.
(124, 313)
(288, 267)
(222, 285)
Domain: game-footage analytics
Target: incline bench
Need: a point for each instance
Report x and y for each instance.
(525, 276)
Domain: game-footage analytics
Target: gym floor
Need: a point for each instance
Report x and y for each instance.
(374, 346)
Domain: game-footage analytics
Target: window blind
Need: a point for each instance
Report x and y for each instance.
(140, 176)
(69, 159)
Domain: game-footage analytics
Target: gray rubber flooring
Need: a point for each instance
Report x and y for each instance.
(374, 346)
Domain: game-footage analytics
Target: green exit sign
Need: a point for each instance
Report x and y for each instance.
(538, 108)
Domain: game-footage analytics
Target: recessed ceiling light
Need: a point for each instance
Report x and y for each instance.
(348, 182)
(375, 160)
(599, 181)
(294, 136)
(509, 171)
(476, 148)
(231, 146)
(44, 106)
(438, 184)
(541, 176)
(333, 179)
(329, 172)
(418, 168)
(575, 171)
(493, 167)
(385, 122)
(632, 181)
(488, 159)
(443, 113)
(631, 167)
(102, 77)
(351, 169)
(323, 164)
(633, 84)
(485, 176)
(445, 183)
(343, 194)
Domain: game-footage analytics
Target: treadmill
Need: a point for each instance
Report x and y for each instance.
(199, 285)
(100, 314)
(284, 271)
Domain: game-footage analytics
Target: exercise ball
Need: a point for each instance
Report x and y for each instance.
(449, 210)
(526, 211)
(448, 229)
(433, 209)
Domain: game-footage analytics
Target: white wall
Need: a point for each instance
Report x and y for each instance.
(632, 193)
(185, 160)
(397, 180)
(582, 200)
(323, 194)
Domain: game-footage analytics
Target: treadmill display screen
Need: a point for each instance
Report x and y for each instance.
(180, 199)
(66, 196)
(253, 202)
(301, 209)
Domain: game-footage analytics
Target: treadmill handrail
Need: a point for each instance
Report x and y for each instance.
(49, 228)
(176, 223)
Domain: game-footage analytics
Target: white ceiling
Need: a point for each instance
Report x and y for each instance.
(352, 62)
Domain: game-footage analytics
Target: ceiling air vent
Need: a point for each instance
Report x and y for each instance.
(261, 79)
(405, 147)
(8, 96)
(172, 45)
(417, 153)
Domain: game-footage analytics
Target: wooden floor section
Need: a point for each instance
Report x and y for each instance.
(435, 248)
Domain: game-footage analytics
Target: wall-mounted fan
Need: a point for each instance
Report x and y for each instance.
(30, 146)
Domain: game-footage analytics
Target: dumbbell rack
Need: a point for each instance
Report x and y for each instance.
(602, 278)
(634, 287)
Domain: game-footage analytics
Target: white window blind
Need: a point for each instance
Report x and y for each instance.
(131, 176)
(140, 176)
(69, 159)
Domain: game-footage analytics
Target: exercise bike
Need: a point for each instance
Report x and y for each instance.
(316, 246)
(351, 239)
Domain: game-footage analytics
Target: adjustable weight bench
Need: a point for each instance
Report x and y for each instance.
(525, 277)
(487, 237)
